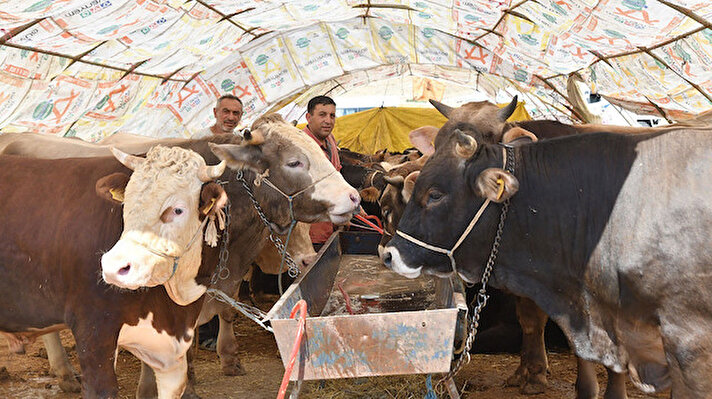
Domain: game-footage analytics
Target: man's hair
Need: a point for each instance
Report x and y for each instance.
(324, 100)
(227, 96)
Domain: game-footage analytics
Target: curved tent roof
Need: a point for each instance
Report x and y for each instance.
(155, 67)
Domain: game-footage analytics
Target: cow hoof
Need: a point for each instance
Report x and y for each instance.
(190, 394)
(533, 388)
(233, 369)
(70, 385)
(516, 380)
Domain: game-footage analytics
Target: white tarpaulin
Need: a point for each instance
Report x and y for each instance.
(90, 68)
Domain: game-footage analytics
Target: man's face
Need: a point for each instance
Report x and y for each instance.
(228, 115)
(321, 120)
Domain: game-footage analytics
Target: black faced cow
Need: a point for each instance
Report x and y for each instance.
(607, 233)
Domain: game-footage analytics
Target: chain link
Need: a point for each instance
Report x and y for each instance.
(221, 271)
(251, 312)
(292, 268)
(482, 296)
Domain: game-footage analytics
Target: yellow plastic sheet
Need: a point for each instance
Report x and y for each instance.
(370, 131)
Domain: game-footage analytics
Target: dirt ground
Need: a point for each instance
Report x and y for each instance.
(26, 376)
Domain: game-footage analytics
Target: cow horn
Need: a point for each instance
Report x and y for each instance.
(465, 146)
(210, 173)
(130, 161)
(394, 180)
(444, 109)
(507, 111)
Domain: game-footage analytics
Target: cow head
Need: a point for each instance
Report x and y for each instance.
(491, 121)
(163, 208)
(286, 162)
(461, 175)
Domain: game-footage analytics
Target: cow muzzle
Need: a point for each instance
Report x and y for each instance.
(130, 265)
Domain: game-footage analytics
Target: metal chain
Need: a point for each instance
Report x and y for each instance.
(221, 270)
(293, 269)
(482, 296)
(251, 312)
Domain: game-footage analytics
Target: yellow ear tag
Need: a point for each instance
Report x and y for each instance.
(117, 194)
(500, 192)
(207, 210)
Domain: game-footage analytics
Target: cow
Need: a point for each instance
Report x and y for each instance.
(290, 169)
(299, 245)
(61, 285)
(607, 233)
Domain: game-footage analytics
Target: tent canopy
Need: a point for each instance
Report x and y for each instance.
(155, 67)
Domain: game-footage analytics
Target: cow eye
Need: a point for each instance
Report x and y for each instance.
(178, 211)
(434, 195)
(294, 164)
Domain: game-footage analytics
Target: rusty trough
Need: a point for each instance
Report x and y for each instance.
(390, 334)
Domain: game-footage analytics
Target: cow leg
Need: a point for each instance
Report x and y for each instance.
(147, 388)
(227, 344)
(171, 381)
(96, 349)
(615, 387)
(14, 344)
(531, 373)
(586, 380)
(146, 383)
(688, 350)
(59, 363)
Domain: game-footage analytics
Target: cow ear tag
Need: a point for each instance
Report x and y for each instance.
(500, 192)
(117, 194)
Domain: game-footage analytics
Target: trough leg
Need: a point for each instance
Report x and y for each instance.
(59, 363)
(452, 388)
(530, 376)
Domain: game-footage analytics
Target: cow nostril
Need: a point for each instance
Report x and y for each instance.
(354, 198)
(125, 270)
(387, 258)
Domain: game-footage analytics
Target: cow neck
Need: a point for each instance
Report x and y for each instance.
(181, 286)
(508, 165)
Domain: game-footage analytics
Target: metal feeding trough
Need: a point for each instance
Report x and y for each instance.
(364, 320)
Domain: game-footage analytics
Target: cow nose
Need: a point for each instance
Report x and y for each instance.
(355, 198)
(125, 270)
(387, 258)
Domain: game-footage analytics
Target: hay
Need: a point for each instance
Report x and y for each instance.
(391, 387)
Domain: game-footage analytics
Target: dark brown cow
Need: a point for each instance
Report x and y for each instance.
(75, 297)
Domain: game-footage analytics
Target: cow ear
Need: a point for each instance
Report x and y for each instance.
(369, 194)
(212, 199)
(422, 138)
(240, 156)
(409, 185)
(111, 187)
(517, 133)
(496, 184)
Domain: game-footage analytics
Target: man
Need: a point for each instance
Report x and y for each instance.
(228, 112)
(321, 117)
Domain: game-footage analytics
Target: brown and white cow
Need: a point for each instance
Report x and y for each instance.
(248, 235)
